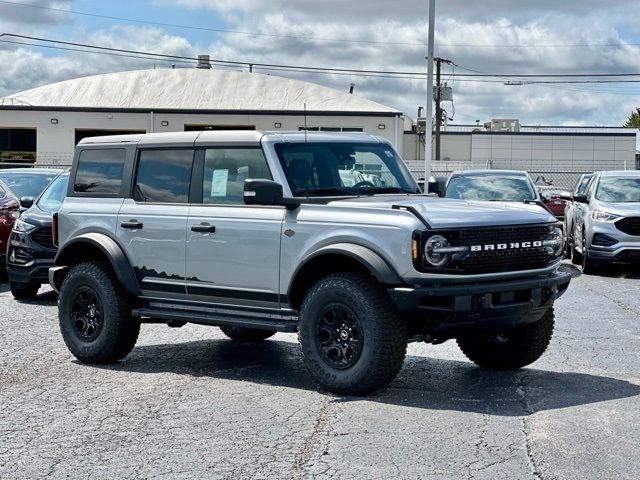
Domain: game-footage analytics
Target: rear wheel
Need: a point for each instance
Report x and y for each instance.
(95, 314)
(242, 334)
(24, 291)
(511, 349)
(352, 338)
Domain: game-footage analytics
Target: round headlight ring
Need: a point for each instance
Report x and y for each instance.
(436, 259)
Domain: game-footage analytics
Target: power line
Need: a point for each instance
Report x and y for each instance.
(311, 37)
(325, 69)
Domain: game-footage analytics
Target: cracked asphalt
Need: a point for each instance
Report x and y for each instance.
(188, 403)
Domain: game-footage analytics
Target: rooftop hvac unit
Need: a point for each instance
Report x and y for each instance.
(503, 125)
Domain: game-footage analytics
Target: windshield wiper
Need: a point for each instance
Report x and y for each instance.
(327, 190)
(387, 190)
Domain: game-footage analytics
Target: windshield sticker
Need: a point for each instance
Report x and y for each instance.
(219, 182)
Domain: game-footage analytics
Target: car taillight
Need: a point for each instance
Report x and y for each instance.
(54, 229)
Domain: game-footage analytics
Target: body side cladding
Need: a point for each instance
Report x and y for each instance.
(366, 257)
(110, 249)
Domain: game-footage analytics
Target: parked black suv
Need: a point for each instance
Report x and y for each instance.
(30, 250)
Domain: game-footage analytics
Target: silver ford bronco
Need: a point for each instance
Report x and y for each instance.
(321, 234)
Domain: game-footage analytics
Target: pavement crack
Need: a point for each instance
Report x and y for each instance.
(310, 444)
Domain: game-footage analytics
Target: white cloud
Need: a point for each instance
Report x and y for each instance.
(492, 22)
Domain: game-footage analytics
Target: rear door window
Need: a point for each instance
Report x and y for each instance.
(164, 176)
(100, 171)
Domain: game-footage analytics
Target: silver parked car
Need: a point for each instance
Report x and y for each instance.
(572, 209)
(607, 227)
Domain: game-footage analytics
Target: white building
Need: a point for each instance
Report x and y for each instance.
(537, 149)
(45, 123)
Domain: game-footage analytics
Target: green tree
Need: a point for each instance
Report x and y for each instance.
(634, 119)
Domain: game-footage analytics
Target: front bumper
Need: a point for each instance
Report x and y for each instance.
(625, 250)
(37, 271)
(459, 309)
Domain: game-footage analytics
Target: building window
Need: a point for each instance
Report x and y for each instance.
(18, 145)
(100, 171)
(163, 176)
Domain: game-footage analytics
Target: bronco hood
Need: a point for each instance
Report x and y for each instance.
(450, 213)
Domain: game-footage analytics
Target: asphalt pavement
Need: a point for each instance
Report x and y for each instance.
(188, 403)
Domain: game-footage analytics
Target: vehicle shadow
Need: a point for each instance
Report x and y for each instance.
(47, 299)
(423, 382)
(620, 271)
(570, 268)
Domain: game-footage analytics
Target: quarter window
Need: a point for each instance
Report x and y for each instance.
(163, 176)
(226, 169)
(100, 171)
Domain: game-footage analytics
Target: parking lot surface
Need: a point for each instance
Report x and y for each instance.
(188, 403)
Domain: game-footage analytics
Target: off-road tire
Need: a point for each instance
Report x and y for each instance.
(384, 333)
(524, 345)
(243, 334)
(119, 331)
(24, 291)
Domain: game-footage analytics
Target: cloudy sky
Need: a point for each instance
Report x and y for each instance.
(492, 36)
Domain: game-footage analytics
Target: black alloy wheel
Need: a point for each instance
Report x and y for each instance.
(87, 314)
(340, 336)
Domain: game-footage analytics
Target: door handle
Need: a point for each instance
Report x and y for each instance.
(132, 224)
(203, 228)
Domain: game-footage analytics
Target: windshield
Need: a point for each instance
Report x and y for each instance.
(618, 189)
(343, 168)
(52, 198)
(26, 184)
(583, 184)
(490, 187)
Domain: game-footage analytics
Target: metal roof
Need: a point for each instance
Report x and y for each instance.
(194, 89)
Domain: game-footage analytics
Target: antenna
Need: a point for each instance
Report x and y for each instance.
(306, 151)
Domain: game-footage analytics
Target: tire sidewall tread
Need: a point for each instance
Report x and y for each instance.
(119, 330)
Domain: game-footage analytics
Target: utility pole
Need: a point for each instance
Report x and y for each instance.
(439, 62)
(428, 132)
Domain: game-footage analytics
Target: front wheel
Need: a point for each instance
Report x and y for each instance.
(511, 349)
(24, 291)
(95, 314)
(352, 338)
(589, 266)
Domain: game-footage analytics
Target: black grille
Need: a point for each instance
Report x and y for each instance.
(628, 256)
(503, 260)
(629, 225)
(482, 236)
(42, 237)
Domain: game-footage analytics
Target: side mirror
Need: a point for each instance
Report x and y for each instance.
(566, 196)
(580, 198)
(266, 192)
(26, 202)
(545, 197)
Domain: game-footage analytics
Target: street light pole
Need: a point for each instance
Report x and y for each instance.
(428, 132)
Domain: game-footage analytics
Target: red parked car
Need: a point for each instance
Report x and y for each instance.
(9, 211)
(551, 196)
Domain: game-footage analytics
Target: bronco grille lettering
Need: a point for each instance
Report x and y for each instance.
(505, 246)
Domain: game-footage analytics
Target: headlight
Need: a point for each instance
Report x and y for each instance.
(555, 242)
(601, 216)
(22, 227)
(438, 251)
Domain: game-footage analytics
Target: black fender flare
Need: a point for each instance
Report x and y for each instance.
(111, 250)
(369, 259)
